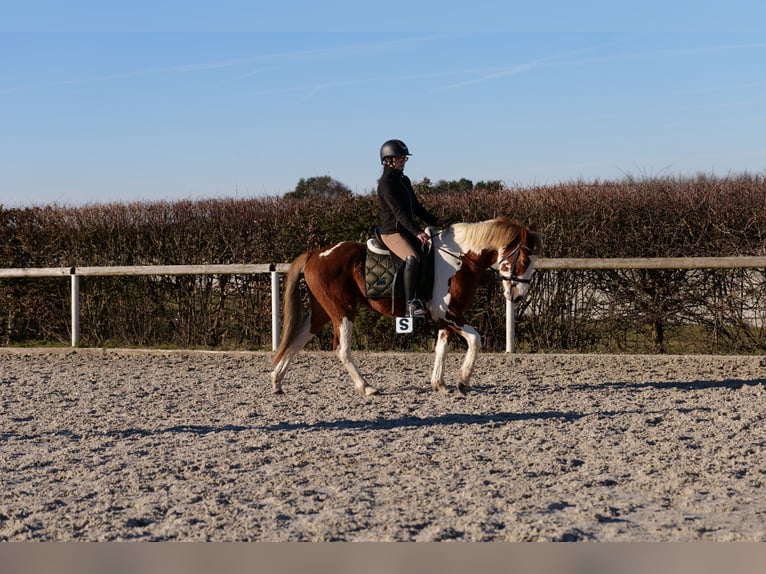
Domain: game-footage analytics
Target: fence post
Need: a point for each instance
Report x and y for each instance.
(510, 327)
(75, 282)
(275, 319)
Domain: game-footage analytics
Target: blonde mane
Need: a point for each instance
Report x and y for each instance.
(492, 234)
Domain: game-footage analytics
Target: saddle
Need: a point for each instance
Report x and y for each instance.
(381, 271)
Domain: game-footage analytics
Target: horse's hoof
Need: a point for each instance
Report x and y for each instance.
(463, 388)
(440, 388)
(367, 391)
(277, 391)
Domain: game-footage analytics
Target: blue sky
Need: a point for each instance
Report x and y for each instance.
(175, 100)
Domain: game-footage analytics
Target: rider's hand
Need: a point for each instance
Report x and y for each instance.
(423, 237)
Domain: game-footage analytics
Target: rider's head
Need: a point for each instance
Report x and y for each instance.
(393, 152)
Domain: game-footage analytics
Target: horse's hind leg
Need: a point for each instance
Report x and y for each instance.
(279, 371)
(343, 333)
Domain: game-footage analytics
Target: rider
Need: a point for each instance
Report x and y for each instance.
(398, 230)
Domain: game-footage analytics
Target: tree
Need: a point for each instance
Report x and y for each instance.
(460, 186)
(492, 185)
(422, 187)
(443, 186)
(322, 186)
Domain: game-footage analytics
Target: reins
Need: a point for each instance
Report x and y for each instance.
(459, 256)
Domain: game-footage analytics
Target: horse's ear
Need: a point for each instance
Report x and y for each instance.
(524, 234)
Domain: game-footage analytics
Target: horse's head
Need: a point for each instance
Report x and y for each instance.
(516, 263)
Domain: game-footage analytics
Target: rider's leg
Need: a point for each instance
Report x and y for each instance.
(404, 250)
(415, 307)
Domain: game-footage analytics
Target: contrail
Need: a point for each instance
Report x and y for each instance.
(302, 55)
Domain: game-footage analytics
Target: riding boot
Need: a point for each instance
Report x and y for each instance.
(415, 307)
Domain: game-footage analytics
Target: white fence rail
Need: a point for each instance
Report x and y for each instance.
(113, 271)
(275, 269)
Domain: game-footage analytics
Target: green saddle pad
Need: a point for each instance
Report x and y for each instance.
(379, 274)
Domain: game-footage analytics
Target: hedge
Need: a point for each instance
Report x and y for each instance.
(578, 311)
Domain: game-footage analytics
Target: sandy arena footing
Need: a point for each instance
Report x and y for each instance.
(130, 445)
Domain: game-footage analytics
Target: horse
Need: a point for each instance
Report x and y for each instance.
(334, 277)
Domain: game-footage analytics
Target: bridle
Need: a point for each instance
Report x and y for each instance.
(516, 253)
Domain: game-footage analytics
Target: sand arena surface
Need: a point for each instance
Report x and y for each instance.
(122, 445)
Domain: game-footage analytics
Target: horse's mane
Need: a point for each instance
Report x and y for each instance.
(491, 234)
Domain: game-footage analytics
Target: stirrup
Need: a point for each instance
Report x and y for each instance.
(415, 308)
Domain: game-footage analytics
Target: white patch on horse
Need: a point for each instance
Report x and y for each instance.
(329, 250)
(446, 264)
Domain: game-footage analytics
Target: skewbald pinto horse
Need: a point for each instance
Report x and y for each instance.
(334, 277)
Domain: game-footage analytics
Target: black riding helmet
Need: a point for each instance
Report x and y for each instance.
(393, 148)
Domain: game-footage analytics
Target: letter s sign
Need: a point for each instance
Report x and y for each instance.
(404, 324)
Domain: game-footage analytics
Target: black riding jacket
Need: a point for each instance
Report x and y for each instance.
(399, 205)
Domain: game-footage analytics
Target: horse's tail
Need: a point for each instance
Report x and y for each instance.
(292, 309)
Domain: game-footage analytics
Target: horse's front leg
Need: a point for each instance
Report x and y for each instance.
(442, 347)
(473, 339)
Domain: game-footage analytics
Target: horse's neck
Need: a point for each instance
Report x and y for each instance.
(448, 247)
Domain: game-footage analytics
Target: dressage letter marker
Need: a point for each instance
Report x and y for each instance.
(403, 324)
